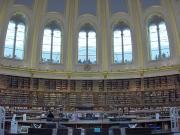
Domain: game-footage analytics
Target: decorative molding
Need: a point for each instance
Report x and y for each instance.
(87, 67)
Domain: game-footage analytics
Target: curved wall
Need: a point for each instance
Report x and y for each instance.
(102, 14)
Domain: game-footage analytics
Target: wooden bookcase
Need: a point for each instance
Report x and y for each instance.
(102, 94)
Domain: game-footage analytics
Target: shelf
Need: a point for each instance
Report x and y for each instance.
(118, 93)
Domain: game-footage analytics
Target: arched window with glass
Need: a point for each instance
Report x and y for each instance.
(15, 38)
(158, 39)
(87, 45)
(122, 44)
(52, 44)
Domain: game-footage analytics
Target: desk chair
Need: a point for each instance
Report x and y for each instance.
(76, 131)
(138, 131)
(116, 131)
(62, 131)
(39, 131)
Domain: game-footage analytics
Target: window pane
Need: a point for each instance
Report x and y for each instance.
(82, 47)
(127, 37)
(19, 54)
(92, 47)
(57, 41)
(56, 58)
(57, 37)
(117, 46)
(127, 57)
(46, 47)
(117, 58)
(20, 35)
(47, 40)
(20, 31)
(91, 39)
(127, 46)
(164, 42)
(8, 52)
(154, 54)
(154, 47)
(117, 41)
(9, 42)
(91, 59)
(56, 50)
(46, 57)
(165, 53)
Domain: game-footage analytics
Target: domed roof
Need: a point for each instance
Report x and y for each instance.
(105, 17)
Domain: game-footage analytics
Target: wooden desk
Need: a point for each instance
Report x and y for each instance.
(86, 124)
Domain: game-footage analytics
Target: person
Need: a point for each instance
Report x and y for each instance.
(50, 116)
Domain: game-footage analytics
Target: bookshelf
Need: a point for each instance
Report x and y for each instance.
(100, 85)
(105, 94)
(72, 100)
(72, 85)
(34, 84)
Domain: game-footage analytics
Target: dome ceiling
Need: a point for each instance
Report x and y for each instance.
(149, 3)
(28, 3)
(56, 6)
(102, 15)
(118, 6)
(87, 6)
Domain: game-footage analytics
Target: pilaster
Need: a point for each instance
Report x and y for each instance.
(104, 14)
(174, 29)
(136, 15)
(71, 13)
(39, 14)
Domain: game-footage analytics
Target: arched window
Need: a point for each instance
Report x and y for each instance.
(15, 38)
(122, 44)
(52, 41)
(158, 39)
(87, 45)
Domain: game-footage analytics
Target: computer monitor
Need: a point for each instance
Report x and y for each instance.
(97, 130)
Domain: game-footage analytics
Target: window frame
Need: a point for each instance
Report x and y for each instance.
(16, 20)
(87, 28)
(52, 26)
(121, 26)
(156, 21)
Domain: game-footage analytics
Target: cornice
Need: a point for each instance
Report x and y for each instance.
(125, 73)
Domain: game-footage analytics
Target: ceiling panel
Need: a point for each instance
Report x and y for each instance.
(87, 6)
(118, 6)
(28, 3)
(149, 3)
(56, 5)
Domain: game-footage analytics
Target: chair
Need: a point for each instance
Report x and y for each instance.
(89, 131)
(39, 131)
(100, 131)
(51, 125)
(138, 131)
(76, 131)
(116, 131)
(104, 131)
(62, 131)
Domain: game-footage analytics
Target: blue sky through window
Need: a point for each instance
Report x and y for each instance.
(87, 47)
(15, 48)
(51, 48)
(122, 46)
